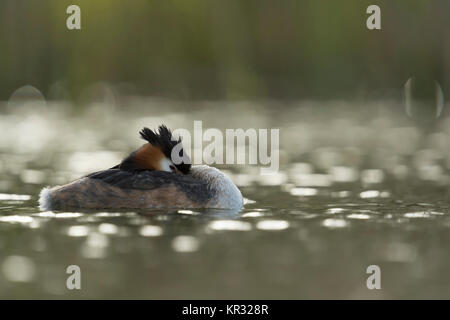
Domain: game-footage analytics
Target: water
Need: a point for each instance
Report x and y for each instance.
(359, 185)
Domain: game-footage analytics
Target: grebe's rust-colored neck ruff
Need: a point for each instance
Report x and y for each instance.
(147, 157)
(156, 154)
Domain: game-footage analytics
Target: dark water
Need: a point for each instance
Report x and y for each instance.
(358, 185)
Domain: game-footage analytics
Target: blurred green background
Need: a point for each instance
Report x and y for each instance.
(228, 49)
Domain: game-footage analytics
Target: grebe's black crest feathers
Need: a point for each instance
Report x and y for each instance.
(164, 140)
(150, 136)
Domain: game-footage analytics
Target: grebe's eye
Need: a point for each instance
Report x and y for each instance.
(172, 168)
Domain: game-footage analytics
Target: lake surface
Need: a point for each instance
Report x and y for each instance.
(359, 184)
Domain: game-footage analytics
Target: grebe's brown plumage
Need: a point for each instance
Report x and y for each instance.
(147, 178)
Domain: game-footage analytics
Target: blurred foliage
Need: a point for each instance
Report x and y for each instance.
(223, 49)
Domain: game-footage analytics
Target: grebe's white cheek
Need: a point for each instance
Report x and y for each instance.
(165, 165)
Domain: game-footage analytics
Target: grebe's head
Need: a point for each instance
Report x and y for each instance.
(157, 153)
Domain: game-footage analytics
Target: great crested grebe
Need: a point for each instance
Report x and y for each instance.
(147, 178)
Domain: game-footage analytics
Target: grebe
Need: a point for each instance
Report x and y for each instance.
(147, 178)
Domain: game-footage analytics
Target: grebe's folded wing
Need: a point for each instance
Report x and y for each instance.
(193, 188)
(143, 180)
(116, 177)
